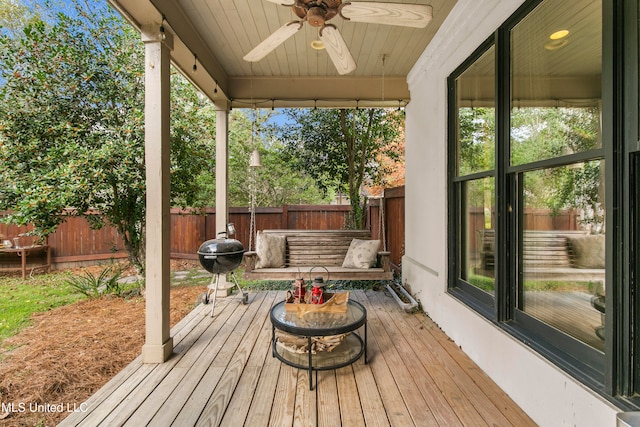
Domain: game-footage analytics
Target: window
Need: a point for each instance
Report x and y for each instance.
(556, 169)
(535, 181)
(475, 166)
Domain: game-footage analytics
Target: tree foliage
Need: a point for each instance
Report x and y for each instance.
(276, 183)
(537, 134)
(340, 148)
(72, 125)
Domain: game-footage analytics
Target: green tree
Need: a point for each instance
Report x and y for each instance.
(476, 142)
(71, 125)
(339, 148)
(277, 182)
(14, 16)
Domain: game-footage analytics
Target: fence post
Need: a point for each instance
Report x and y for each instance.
(285, 217)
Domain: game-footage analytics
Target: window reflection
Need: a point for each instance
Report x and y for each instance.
(479, 256)
(563, 249)
(476, 115)
(556, 73)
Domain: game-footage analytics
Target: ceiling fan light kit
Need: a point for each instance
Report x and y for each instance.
(318, 12)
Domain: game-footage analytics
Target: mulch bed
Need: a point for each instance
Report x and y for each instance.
(72, 351)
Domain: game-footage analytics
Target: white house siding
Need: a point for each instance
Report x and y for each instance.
(549, 396)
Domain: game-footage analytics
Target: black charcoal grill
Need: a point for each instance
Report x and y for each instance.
(220, 256)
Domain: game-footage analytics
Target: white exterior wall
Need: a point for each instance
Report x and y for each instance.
(549, 396)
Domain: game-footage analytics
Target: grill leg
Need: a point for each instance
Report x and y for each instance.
(215, 293)
(245, 296)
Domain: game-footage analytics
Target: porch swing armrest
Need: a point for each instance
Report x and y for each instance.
(250, 258)
(384, 260)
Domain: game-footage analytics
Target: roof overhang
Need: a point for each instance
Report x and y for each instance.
(215, 34)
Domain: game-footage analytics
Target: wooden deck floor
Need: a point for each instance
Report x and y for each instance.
(222, 373)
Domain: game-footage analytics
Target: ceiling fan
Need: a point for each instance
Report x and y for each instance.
(318, 12)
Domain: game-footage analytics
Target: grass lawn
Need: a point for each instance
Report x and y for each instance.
(19, 299)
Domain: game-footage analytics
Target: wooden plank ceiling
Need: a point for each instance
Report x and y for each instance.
(221, 32)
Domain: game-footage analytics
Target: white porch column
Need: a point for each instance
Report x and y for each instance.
(222, 179)
(158, 346)
(222, 166)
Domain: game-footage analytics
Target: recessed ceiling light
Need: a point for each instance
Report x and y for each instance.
(317, 44)
(559, 35)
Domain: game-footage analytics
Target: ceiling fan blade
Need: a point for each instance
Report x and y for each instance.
(276, 38)
(337, 49)
(405, 15)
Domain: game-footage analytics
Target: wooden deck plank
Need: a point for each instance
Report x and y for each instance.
(236, 411)
(453, 387)
(304, 413)
(481, 383)
(263, 403)
(180, 382)
(199, 370)
(134, 410)
(370, 399)
(421, 412)
(396, 410)
(239, 406)
(223, 373)
(329, 408)
(261, 356)
(229, 365)
(285, 397)
(450, 405)
(488, 400)
(262, 348)
(221, 397)
(350, 410)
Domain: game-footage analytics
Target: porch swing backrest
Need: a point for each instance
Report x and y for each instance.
(322, 249)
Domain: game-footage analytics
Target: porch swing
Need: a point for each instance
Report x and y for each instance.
(332, 254)
(337, 254)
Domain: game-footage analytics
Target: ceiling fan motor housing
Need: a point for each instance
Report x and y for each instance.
(315, 12)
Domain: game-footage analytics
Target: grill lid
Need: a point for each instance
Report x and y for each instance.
(220, 247)
(220, 255)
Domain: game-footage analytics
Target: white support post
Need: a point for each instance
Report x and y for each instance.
(222, 180)
(158, 345)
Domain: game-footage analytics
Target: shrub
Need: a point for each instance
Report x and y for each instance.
(104, 283)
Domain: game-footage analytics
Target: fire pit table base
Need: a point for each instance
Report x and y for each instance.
(314, 329)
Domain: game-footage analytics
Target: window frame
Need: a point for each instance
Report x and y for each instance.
(614, 374)
(482, 302)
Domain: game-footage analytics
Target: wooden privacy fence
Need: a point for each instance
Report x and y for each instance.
(75, 242)
(393, 224)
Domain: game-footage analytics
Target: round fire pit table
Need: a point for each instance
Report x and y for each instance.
(318, 341)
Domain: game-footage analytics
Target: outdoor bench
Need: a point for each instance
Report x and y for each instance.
(313, 253)
(24, 258)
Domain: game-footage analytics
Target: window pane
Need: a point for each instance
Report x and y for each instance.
(563, 254)
(556, 73)
(475, 89)
(479, 254)
(539, 133)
